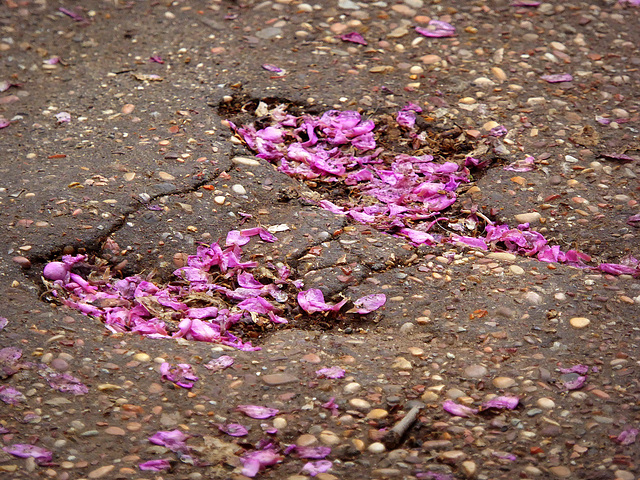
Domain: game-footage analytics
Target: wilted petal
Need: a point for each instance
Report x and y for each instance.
(155, 465)
(312, 301)
(3, 323)
(627, 437)
(64, 382)
(220, 363)
(233, 429)
(470, 241)
(501, 403)
(11, 395)
(369, 303)
(557, 78)
(313, 452)
(505, 456)
(314, 468)
(437, 29)
(22, 450)
(580, 368)
(256, 411)
(182, 374)
(174, 440)
(331, 372)
(253, 462)
(458, 410)
(353, 37)
(575, 384)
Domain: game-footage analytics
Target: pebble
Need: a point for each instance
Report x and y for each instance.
(430, 59)
(359, 404)
(239, 189)
(115, 431)
(401, 363)
(516, 270)
(376, 447)
(377, 414)
(278, 379)
(59, 364)
(531, 217)
(561, 471)
(101, 472)
(579, 322)
(475, 371)
(452, 456)
(468, 468)
(219, 199)
(306, 440)
(624, 475)
(141, 357)
(510, 257)
(436, 445)
(280, 423)
(545, 403)
(352, 387)
(327, 437)
(503, 382)
(249, 162)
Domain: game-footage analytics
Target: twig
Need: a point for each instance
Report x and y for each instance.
(393, 437)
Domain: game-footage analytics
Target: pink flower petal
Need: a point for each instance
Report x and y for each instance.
(11, 395)
(174, 440)
(220, 363)
(437, 29)
(458, 410)
(256, 411)
(331, 372)
(155, 465)
(312, 301)
(353, 37)
(369, 303)
(627, 437)
(557, 78)
(22, 450)
(314, 468)
(233, 429)
(255, 461)
(501, 403)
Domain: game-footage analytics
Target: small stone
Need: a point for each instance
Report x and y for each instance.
(579, 322)
(468, 468)
(377, 414)
(386, 473)
(429, 396)
(327, 437)
(429, 445)
(306, 440)
(503, 382)
(219, 199)
(510, 257)
(59, 364)
(376, 447)
(141, 357)
(166, 176)
(475, 371)
(452, 456)
(561, 471)
(239, 189)
(624, 475)
(24, 262)
(416, 351)
(101, 471)
(430, 59)
(516, 270)
(311, 358)
(128, 108)
(499, 74)
(280, 422)
(278, 379)
(115, 431)
(531, 217)
(352, 387)
(533, 101)
(359, 404)
(249, 162)
(533, 471)
(546, 403)
(401, 363)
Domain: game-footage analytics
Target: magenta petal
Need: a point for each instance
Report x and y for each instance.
(256, 411)
(22, 450)
(369, 303)
(580, 368)
(315, 453)
(627, 437)
(314, 468)
(353, 37)
(253, 462)
(312, 301)
(501, 402)
(155, 465)
(233, 429)
(458, 410)
(271, 68)
(220, 363)
(575, 384)
(557, 78)
(3, 322)
(174, 440)
(437, 29)
(11, 395)
(470, 241)
(331, 372)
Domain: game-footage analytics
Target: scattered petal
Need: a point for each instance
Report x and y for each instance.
(256, 411)
(174, 440)
(557, 78)
(575, 384)
(182, 374)
(220, 363)
(627, 437)
(369, 303)
(233, 429)
(501, 403)
(314, 468)
(155, 465)
(437, 29)
(581, 369)
(255, 461)
(458, 410)
(353, 37)
(312, 452)
(22, 450)
(331, 372)
(11, 395)
(312, 301)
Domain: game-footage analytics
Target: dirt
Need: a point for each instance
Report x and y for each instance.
(147, 168)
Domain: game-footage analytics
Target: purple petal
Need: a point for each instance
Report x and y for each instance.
(256, 411)
(22, 450)
(499, 131)
(182, 374)
(406, 119)
(627, 437)
(471, 241)
(557, 78)
(331, 372)
(271, 68)
(505, 456)
(575, 384)
(155, 465)
(437, 29)
(581, 369)
(64, 382)
(4, 123)
(617, 269)
(315, 453)
(634, 220)
(11, 395)
(353, 37)
(312, 301)
(220, 363)
(3, 323)
(156, 59)
(501, 403)
(233, 429)
(369, 303)
(525, 165)
(314, 468)
(174, 440)
(253, 462)
(458, 410)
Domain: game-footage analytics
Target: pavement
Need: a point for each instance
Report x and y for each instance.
(117, 145)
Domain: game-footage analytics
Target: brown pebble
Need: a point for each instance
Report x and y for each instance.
(600, 394)
(24, 262)
(155, 388)
(278, 379)
(115, 431)
(311, 358)
(101, 472)
(560, 471)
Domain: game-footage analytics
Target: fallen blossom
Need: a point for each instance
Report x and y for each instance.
(52, 61)
(268, 429)
(4, 123)
(272, 68)
(155, 465)
(634, 220)
(312, 301)
(500, 403)
(63, 382)
(22, 450)
(331, 405)
(581, 369)
(3, 323)
(156, 59)
(627, 437)
(458, 410)
(181, 374)
(369, 303)
(315, 453)
(437, 29)
(233, 429)
(11, 395)
(314, 468)
(72, 15)
(504, 456)
(353, 37)
(219, 364)
(331, 372)
(499, 131)
(634, 3)
(255, 461)
(525, 165)
(575, 384)
(63, 117)
(174, 440)
(256, 411)
(557, 78)
(9, 357)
